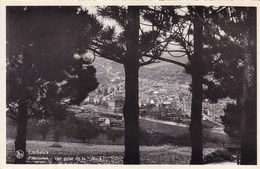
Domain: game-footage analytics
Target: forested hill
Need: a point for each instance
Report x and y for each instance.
(163, 72)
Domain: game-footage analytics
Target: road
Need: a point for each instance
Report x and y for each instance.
(166, 127)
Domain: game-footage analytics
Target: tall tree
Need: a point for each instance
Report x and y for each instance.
(240, 37)
(41, 43)
(229, 48)
(192, 38)
(133, 47)
(188, 35)
(131, 107)
(249, 114)
(196, 63)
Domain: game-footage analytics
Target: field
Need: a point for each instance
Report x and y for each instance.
(107, 154)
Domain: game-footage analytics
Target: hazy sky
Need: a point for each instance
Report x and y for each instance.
(110, 22)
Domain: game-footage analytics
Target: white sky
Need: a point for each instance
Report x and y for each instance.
(111, 22)
(106, 22)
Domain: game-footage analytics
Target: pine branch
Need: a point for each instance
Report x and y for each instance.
(168, 60)
(145, 24)
(219, 10)
(186, 17)
(225, 38)
(12, 116)
(177, 56)
(147, 62)
(105, 56)
(170, 51)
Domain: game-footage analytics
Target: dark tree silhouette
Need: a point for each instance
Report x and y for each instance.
(133, 47)
(221, 60)
(238, 79)
(232, 120)
(41, 43)
(43, 127)
(226, 49)
(197, 90)
(249, 117)
(131, 108)
(113, 134)
(189, 36)
(85, 130)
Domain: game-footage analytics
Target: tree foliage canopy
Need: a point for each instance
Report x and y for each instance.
(41, 45)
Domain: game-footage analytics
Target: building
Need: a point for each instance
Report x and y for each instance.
(104, 121)
(166, 104)
(116, 103)
(97, 100)
(76, 109)
(89, 100)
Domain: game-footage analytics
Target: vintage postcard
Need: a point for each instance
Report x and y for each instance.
(129, 84)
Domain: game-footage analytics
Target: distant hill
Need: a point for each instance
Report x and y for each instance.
(161, 71)
(167, 73)
(107, 70)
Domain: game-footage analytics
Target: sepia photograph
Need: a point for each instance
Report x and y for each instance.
(131, 84)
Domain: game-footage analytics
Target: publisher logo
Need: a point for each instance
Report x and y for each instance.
(19, 154)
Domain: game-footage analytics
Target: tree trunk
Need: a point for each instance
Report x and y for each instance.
(249, 117)
(44, 136)
(196, 123)
(56, 131)
(131, 116)
(20, 142)
(131, 107)
(113, 141)
(248, 135)
(197, 91)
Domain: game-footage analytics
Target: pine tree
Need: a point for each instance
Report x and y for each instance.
(133, 47)
(197, 90)
(228, 51)
(41, 43)
(238, 59)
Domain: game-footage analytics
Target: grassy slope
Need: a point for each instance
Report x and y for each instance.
(109, 154)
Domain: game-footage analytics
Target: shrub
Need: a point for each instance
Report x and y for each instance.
(218, 156)
(181, 140)
(56, 145)
(114, 134)
(144, 137)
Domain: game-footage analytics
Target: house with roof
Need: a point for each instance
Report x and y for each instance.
(104, 121)
(116, 103)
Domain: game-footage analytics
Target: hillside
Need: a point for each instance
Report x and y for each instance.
(102, 154)
(161, 72)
